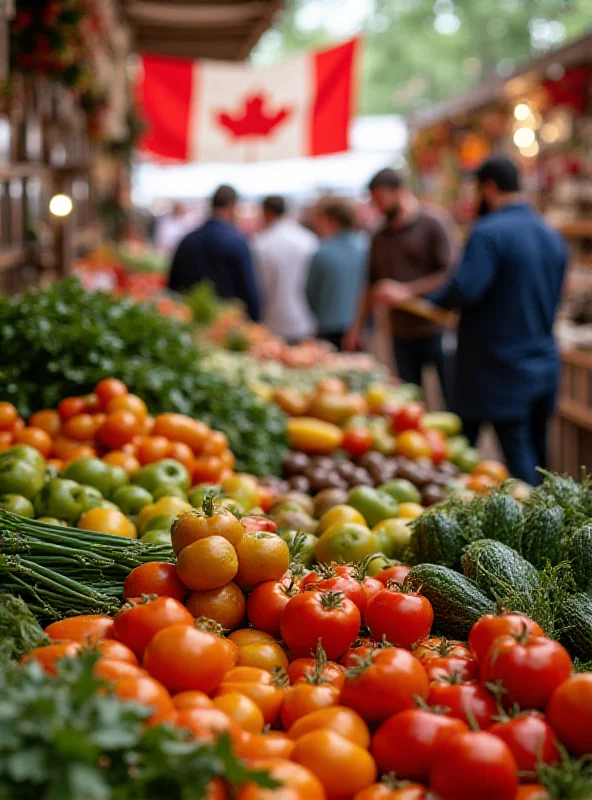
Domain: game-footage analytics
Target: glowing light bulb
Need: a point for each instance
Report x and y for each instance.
(61, 205)
(524, 137)
(522, 111)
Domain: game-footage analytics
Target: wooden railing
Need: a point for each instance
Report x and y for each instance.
(571, 437)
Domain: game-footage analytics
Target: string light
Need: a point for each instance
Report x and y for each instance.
(530, 151)
(522, 111)
(524, 137)
(61, 205)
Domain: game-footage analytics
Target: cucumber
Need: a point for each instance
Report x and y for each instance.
(498, 570)
(456, 601)
(578, 550)
(542, 539)
(575, 618)
(502, 519)
(438, 538)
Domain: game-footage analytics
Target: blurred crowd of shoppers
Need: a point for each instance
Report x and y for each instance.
(328, 278)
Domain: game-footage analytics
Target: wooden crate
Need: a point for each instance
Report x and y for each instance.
(571, 435)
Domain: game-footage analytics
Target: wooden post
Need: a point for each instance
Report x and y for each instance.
(6, 12)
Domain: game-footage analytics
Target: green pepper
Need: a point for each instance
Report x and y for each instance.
(161, 522)
(26, 453)
(17, 504)
(167, 471)
(94, 472)
(345, 542)
(131, 499)
(402, 490)
(66, 499)
(374, 505)
(19, 474)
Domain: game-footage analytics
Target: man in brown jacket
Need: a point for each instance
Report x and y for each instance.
(415, 247)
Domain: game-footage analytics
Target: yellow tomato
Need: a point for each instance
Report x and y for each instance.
(313, 435)
(376, 396)
(341, 513)
(164, 506)
(410, 510)
(108, 520)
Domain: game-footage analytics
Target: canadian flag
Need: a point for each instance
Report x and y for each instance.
(217, 111)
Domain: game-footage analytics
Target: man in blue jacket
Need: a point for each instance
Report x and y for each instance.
(219, 253)
(508, 287)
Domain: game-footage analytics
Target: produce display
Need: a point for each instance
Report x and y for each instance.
(190, 609)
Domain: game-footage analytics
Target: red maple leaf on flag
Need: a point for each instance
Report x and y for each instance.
(253, 117)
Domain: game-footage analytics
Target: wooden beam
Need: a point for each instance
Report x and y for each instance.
(171, 14)
(259, 29)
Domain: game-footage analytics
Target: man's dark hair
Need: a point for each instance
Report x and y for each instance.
(340, 211)
(224, 197)
(387, 178)
(502, 171)
(274, 204)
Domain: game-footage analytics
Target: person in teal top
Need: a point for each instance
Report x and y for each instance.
(337, 271)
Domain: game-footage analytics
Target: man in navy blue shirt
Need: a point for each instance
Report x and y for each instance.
(217, 252)
(508, 287)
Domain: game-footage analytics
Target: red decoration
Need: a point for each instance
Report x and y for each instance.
(573, 89)
(253, 119)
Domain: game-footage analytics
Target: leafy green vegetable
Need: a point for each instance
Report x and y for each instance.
(61, 738)
(61, 341)
(571, 779)
(19, 630)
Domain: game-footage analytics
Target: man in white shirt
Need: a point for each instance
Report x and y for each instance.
(283, 253)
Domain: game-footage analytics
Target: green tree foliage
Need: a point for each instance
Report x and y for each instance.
(418, 52)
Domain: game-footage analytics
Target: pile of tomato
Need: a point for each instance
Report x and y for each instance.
(337, 687)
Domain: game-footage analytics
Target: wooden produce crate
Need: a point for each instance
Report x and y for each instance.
(571, 434)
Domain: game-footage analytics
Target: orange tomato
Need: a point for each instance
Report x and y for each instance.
(49, 655)
(8, 416)
(55, 463)
(48, 420)
(108, 520)
(266, 498)
(19, 425)
(207, 563)
(273, 744)
(183, 453)
(82, 427)
(192, 699)
(147, 428)
(304, 698)
(216, 444)
(180, 428)
(155, 577)
(184, 658)
(342, 766)
(112, 669)
(261, 557)
(35, 437)
(70, 407)
(297, 782)
(225, 605)
(493, 469)
(242, 709)
(207, 724)
(481, 483)
(62, 447)
(207, 469)
(83, 628)
(413, 444)
(128, 402)
(108, 389)
(266, 655)
(151, 448)
(82, 451)
(118, 429)
(6, 438)
(118, 458)
(258, 684)
(246, 636)
(340, 719)
(145, 690)
(113, 650)
(228, 460)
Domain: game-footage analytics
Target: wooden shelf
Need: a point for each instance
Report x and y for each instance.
(576, 229)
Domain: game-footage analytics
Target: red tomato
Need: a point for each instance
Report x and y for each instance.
(461, 697)
(490, 627)
(253, 524)
(357, 441)
(326, 616)
(155, 577)
(532, 791)
(342, 581)
(396, 573)
(71, 407)
(417, 734)
(146, 691)
(438, 443)
(529, 667)
(474, 765)
(463, 669)
(83, 628)
(386, 682)
(109, 388)
(311, 670)
(408, 417)
(437, 647)
(569, 712)
(266, 605)
(399, 617)
(531, 740)
(370, 588)
(139, 621)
